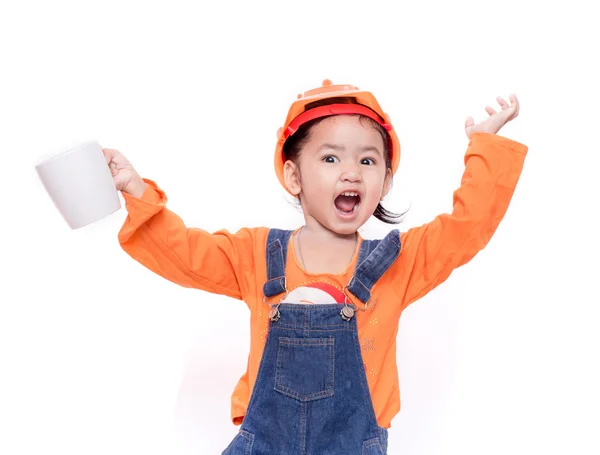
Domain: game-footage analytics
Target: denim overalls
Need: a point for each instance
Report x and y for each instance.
(311, 395)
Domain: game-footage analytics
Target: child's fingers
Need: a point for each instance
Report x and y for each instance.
(515, 103)
(503, 104)
(490, 110)
(115, 159)
(109, 154)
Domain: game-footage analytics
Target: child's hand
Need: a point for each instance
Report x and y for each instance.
(125, 176)
(496, 120)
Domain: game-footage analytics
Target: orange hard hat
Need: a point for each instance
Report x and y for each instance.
(298, 114)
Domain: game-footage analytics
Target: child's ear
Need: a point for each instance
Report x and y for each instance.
(387, 184)
(291, 177)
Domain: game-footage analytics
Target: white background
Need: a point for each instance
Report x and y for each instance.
(99, 355)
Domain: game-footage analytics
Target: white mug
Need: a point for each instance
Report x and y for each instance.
(80, 184)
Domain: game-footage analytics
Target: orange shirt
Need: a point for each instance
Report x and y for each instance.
(234, 264)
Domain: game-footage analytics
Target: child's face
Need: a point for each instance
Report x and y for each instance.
(341, 154)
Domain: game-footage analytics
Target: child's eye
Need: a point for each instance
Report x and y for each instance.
(327, 158)
(369, 159)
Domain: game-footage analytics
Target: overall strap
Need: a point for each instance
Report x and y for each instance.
(277, 245)
(374, 258)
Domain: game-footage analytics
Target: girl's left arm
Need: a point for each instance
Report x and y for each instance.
(430, 252)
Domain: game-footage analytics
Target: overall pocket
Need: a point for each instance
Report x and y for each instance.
(241, 444)
(373, 447)
(305, 368)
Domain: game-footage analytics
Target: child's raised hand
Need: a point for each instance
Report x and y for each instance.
(496, 120)
(125, 176)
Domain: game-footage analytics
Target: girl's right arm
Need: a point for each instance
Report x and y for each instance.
(191, 257)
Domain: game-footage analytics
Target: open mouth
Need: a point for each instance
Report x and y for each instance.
(347, 203)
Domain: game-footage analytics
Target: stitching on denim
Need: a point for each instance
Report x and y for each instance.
(329, 390)
(278, 369)
(374, 442)
(317, 328)
(303, 427)
(332, 364)
(306, 341)
(303, 396)
(281, 257)
(396, 238)
(271, 258)
(367, 290)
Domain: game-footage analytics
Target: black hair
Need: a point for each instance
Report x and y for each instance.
(293, 145)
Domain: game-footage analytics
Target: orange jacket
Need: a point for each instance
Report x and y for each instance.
(234, 264)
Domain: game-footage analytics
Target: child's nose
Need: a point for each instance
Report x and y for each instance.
(351, 173)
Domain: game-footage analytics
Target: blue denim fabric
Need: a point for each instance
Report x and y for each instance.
(311, 396)
(374, 258)
(277, 246)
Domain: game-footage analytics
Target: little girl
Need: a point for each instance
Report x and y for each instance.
(325, 303)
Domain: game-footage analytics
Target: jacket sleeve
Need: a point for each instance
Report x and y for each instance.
(493, 165)
(191, 257)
